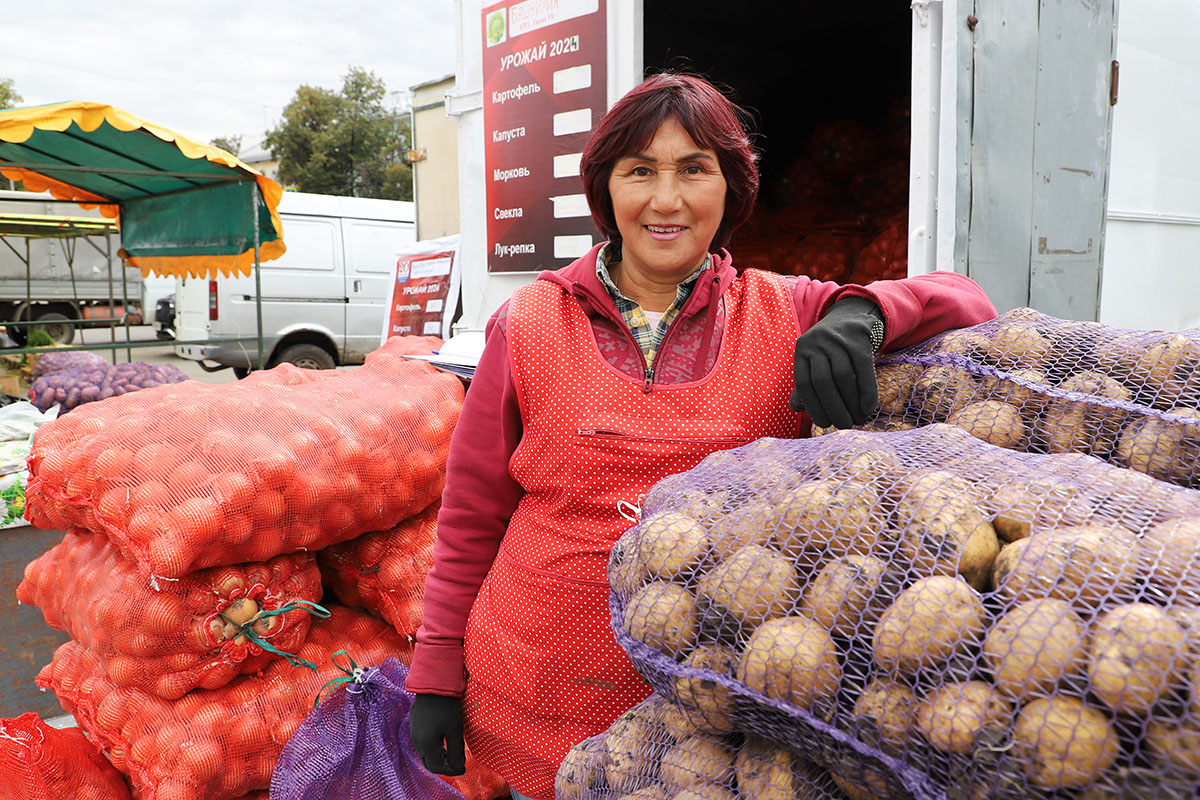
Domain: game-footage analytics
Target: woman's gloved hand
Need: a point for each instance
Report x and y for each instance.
(436, 724)
(835, 365)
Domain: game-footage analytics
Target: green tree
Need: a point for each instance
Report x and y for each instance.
(230, 144)
(344, 143)
(9, 97)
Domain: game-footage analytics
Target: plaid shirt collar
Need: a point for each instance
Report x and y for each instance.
(648, 338)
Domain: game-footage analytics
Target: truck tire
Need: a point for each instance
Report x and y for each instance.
(305, 356)
(60, 328)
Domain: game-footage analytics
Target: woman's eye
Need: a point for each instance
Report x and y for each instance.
(641, 172)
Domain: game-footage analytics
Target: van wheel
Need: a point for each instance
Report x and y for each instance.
(240, 372)
(306, 356)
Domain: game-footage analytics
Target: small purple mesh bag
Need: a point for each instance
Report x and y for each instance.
(356, 746)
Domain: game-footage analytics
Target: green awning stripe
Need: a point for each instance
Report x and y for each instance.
(96, 184)
(148, 149)
(100, 153)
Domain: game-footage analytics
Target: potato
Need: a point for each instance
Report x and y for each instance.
(655, 791)
(633, 748)
(704, 792)
(890, 708)
(1016, 345)
(953, 714)
(752, 585)
(708, 704)
(792, 659)
(1034, 645)
(663, 616)
(1024, 504)
(928, 622)
(1082, 564)
(1006, 389)
(993, 421)
(868, 783)
(966, 343)
(943, 530)
(1166, 449)
(672, 544)
(871, 462)
(1168, 373)
(698, 760)
(1079, 426)
(1175, 742)
(750, 524)
(896, 383)
(846, 595)
(767, 772)
(1063, 742)
(1170, 554)
(677, 721)
(581, 770)
(940, 391)
(1138, 653)
(627, 571)
(836, 516)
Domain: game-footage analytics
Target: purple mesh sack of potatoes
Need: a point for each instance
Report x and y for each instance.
(656, 751)
(71, 388)
(923, 614)
(1031, 382)
(46, 363)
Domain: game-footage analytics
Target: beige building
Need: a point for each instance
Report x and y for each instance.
(434, 160)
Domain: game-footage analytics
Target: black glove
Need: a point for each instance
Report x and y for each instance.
(835, 365)
(435, 719)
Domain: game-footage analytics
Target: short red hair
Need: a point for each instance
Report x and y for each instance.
(711, 119)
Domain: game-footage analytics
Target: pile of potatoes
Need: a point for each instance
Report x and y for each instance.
(1030, 382)
(655, 751)
(1005, 624)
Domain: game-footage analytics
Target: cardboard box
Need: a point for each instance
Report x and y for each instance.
(11, 385)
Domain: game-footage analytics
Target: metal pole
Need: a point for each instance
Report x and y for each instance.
(257, 270)
(112, 307)
(124, 299)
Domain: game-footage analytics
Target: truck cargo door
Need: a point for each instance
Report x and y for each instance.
(371, 248)
(1040, 122)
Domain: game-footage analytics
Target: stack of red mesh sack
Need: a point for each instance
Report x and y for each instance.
(38, 762)
(840, 210)
(1031, 382)
(918, 614)
(189, 578)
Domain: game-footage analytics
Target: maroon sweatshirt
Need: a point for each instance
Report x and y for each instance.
(480, 494)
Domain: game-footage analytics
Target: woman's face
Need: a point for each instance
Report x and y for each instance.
(668, 201)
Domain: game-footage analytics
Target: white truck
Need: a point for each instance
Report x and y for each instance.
(1051, 155)
(60, 273)
(323, 301)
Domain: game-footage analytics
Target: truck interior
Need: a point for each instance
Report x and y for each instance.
(828, 88)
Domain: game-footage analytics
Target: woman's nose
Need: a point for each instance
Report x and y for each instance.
(667, 196)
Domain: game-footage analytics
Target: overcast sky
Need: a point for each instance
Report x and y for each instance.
(217, 69)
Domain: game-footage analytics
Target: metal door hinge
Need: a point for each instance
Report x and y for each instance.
(1112, 86)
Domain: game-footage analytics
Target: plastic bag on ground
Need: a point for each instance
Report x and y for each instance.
(19, 420)
(71, 388)
(38, 762)
(200, 631)
(183, 478)
(927, 612)
(384, 571)
(233, 734)
(355, 745)
(1031, 382)
(656, 751)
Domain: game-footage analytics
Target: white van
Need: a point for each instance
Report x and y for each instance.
(322, 303)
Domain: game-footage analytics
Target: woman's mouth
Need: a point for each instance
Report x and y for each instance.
(665, 233)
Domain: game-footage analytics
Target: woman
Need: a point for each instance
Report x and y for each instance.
(596, 381)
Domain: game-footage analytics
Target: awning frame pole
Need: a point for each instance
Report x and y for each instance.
(257, 270)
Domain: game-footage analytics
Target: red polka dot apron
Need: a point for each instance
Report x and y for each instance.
(544, 670)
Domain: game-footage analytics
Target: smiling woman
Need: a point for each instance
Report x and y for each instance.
(598, 380)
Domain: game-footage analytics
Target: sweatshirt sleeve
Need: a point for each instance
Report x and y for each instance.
(477, 503)
(917, 308)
